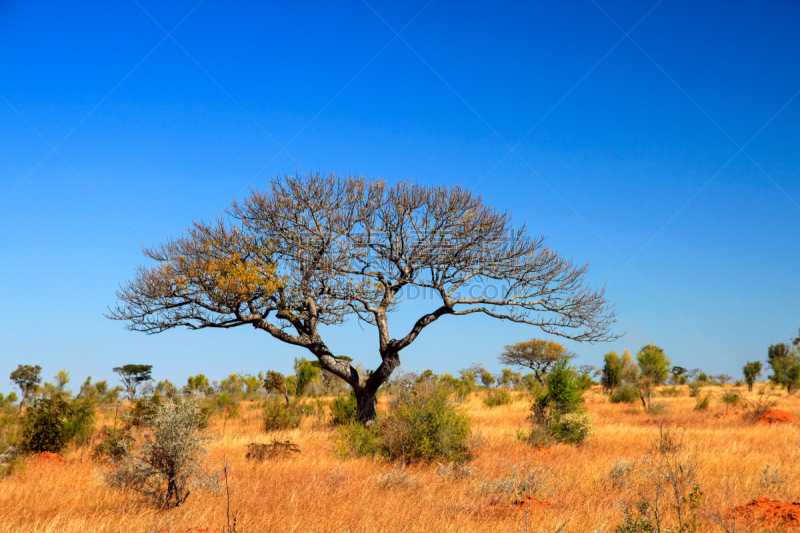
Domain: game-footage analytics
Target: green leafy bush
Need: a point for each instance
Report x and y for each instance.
(571, 428)
(672, 391)
(702, 404)
(344, 410)
(52, 423)
(497, 397)
(624, 394)
(355, 440)
(425, 425)
(279, 416)
(556, 413)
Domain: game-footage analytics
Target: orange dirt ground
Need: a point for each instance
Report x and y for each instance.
(787, 514)
(777, 416)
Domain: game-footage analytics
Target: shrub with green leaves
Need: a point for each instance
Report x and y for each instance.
(279, 416)
(571, 428)
(497, 397)
(556, 412)
(702, 404)
(356, 440)
(624, 394)
(52, 423)
(344, 410)
(425, 425)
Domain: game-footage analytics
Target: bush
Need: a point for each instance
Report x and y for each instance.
(670, 392)
(624, 394)
(556, 413)
(227, 405)
(79, 425)
(424, 425)
(279, 416)
(113, 444)
(694, 388)
(497, 397)
(355, 440)
(702, 404)
(571, 428)
(52, 423)
(344, 410)
(169, 459)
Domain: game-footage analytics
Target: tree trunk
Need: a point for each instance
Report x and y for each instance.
(367, 402)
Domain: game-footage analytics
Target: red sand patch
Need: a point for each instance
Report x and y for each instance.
(517, 506)
(771, 510)
(777, 416)
(191, 530)
(49, 457)
(541, 450)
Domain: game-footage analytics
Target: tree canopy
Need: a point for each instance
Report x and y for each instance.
(316, 249)
(536, 354)
(27, 378)
(132, 376)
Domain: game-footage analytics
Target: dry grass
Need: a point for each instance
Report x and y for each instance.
(315, 491)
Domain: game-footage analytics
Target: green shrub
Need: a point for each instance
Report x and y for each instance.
(425, 425)
(556, 413)
(624, 394)
(52, 423)
(355, 440)
(670, 392)
(279, 416)
(585, 382)
(344, 410)
(571, 428)
(227, 405)
(694, 388)
(497, 397)
(731, 397)
(113, 445)
(702, 404)
(79, 425)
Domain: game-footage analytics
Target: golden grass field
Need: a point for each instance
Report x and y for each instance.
(315, 491)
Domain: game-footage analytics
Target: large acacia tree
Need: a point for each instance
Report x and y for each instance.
(317, 249)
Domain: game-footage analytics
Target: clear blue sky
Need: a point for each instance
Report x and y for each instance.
(668, 159)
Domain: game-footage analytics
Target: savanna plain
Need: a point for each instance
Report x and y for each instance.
(723, 460)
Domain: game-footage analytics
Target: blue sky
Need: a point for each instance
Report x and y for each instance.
(656, 141)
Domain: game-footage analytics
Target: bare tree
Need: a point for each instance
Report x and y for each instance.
(315, 249)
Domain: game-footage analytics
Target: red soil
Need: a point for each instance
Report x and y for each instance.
(192, 530)
(771, 510)
(541, 450)
(49, 457)
(528, 503)
(777, 416)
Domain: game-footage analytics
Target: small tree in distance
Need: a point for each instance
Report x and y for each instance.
(535, 354)
(132, 376)
(27, 378)
(612, 372)
(654, 368)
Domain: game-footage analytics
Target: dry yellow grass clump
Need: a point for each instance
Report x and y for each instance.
(316, 491)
